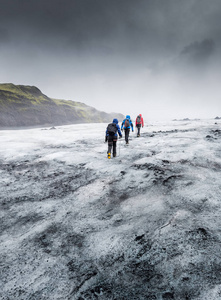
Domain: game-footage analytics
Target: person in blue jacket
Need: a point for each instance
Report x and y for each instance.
(126, 124)
(111, 136)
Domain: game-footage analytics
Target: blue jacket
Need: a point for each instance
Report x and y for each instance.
(118, 129)
(130, 123)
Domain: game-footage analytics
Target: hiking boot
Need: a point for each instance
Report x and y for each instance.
(108, 155)
(127, 143)
(114, 154)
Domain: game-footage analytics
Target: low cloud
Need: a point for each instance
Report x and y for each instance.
(4, 36)
(198, 52)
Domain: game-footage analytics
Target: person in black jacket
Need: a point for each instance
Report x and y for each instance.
(111, 136)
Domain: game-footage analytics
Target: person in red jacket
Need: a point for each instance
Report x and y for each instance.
(139, 123)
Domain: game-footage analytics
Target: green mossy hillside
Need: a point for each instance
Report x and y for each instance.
(22, 106)
(10, 93)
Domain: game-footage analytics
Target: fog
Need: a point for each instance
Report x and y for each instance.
(161, 59)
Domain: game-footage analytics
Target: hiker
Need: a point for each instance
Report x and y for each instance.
(126, 124)
(139, 123)
(111, 136)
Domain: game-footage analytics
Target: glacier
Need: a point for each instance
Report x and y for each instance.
(143, 225)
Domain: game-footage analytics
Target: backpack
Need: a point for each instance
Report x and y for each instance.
(126, 123)
(112, 128)
(139, 119)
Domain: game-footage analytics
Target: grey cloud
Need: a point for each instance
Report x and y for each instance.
(133, 27)
(199, 52)
(100, 51)
(4, 36)
(144, 31)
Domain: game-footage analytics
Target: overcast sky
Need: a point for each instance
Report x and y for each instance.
(161, 58)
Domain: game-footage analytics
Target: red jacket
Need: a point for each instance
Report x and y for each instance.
(141, 121)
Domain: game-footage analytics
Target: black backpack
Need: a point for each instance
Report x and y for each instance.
(112, 128)
(126, 123)
(138, 119)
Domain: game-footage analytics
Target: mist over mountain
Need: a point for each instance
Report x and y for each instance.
(22, 106)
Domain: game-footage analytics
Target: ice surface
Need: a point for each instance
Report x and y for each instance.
(143, 225)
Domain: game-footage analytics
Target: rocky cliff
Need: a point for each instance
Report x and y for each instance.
(22, 106)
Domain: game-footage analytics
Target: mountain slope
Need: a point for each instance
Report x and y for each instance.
(22, 106)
